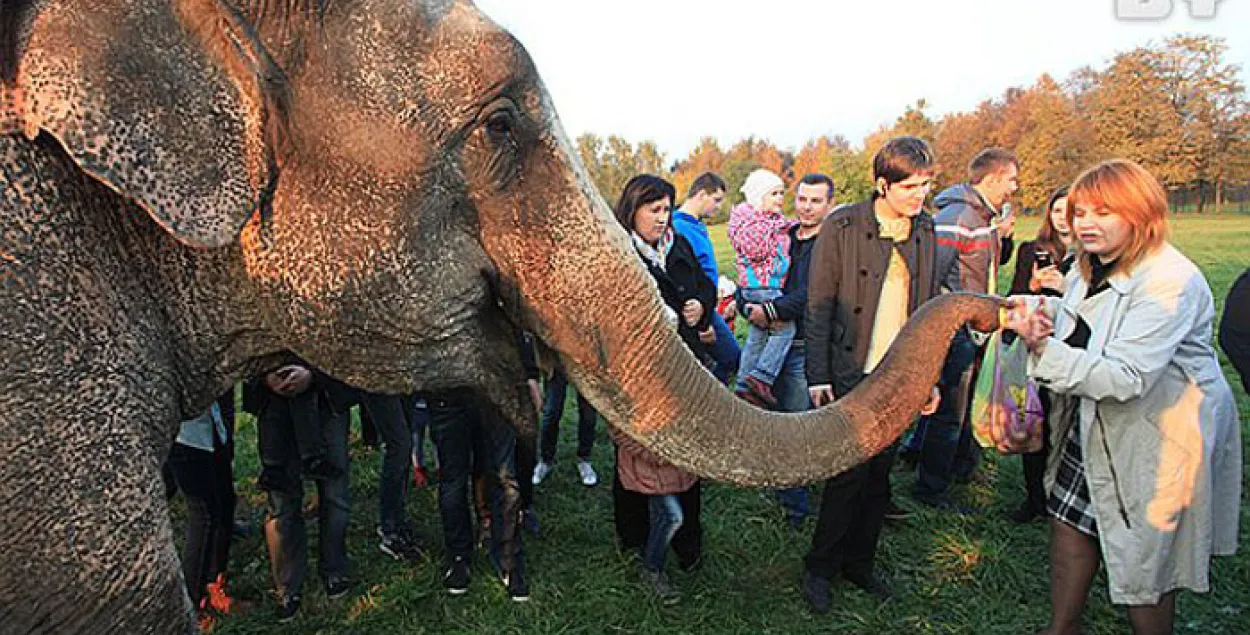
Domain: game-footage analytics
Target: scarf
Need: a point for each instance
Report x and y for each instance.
(658, 255)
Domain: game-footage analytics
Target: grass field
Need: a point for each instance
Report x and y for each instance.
(980, 574)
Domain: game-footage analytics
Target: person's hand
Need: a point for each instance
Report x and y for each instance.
(821, 394)
(1036, 330)
(935, 400)
(1047, 278)
(290, 380)
(755, 315)
(708, 336)
(1006, 225)
(536, 394)
(691, 311)
(731, 313)
(1019, 307)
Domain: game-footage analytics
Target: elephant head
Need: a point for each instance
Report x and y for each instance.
(383, 187)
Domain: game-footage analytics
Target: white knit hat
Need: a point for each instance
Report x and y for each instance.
(759, 183)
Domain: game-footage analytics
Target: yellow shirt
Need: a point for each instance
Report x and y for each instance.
(895, 294)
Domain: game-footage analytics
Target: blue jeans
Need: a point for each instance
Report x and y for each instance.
(945, 437)
(553, 411)
(463, 436)
(725, 352)
(285, 532)
(765, 351)
(389, 416)
(792, 396)
(666, 519)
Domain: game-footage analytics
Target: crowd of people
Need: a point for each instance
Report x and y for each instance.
(1140, 471)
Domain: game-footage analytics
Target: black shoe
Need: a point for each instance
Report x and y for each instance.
(319, 468)
(690, 566)
(815, 591)
(337, 588)
(870, 583)
(514, 582)
(1027, 513)
(896, 513)
(288, 609)
(401, 545)
(456, 580)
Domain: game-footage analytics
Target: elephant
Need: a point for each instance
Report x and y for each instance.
(383, 188)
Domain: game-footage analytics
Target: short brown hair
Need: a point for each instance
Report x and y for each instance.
(899, 159)
(989, 161)
(1124, 188)
(709, 182)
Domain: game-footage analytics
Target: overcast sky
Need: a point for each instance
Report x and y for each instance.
(790, 70)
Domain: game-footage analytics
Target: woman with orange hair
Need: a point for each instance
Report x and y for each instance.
(1146, 471)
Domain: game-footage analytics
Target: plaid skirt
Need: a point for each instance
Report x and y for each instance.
(1069, 499)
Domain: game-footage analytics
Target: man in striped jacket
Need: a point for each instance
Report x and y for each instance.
(971, 222)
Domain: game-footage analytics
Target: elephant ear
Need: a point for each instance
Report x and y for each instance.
(173, 104)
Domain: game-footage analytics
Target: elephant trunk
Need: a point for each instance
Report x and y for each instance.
(576, 281)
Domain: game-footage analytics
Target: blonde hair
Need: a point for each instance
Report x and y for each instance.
(1124, 188)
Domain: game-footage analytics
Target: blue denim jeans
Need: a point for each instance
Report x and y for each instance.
(725, 352)
(945, 437)
(792, 396)
(765, 351)
(389, 416)
(285, 532)
(553, 410)
(666, 519)
(465, 436)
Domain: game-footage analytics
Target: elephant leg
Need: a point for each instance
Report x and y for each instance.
(87, 543)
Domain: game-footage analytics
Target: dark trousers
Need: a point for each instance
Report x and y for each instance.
(947, 447)
(206, 480)
(852, 511)
(390, 417)
(632, 516)
(285, 532)
(461, 432)
(553, 409)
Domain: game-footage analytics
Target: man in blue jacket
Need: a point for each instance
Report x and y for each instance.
(703, 200)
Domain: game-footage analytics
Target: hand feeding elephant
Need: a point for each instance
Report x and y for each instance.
(383, 187)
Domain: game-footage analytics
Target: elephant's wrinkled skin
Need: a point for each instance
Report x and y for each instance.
(383, 187)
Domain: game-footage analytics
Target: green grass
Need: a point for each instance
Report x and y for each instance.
(979, 575)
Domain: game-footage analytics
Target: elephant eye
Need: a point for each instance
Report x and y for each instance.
(500, 126)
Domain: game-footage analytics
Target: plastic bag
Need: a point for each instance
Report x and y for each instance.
(1006, 408)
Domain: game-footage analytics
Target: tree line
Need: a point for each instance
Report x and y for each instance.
(1176, 107)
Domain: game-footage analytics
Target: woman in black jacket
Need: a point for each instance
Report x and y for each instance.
(644, 210)
(1040, 267)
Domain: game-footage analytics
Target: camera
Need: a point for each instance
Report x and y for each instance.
(1043, 259)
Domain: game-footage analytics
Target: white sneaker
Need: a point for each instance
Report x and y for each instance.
(540, 472)
(589, 478)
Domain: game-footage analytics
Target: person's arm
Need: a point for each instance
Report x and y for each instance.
(790, 306)
(1160, 315)
(1235, 328)
(696, 234)
(824, 275)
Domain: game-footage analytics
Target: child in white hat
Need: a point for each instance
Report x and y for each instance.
(759, 233)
